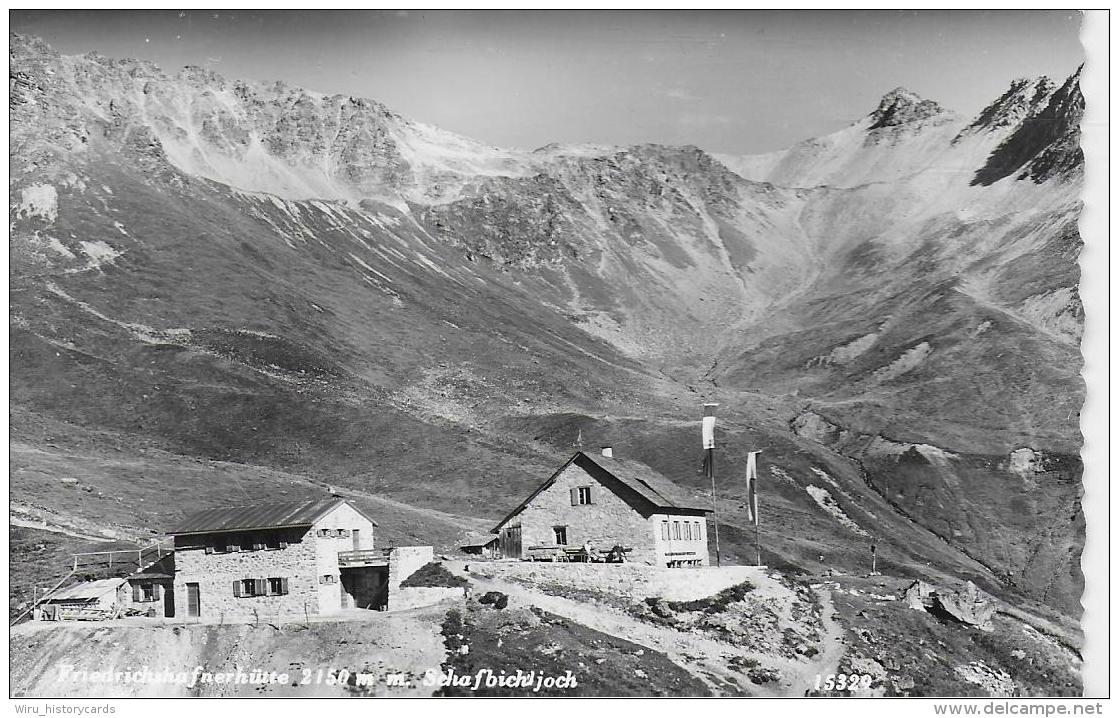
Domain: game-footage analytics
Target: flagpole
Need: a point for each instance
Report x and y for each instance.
(709, 449)
(757, 543)
(752, 498)
(714, 506)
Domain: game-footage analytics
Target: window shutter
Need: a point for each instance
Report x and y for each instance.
(237, 589)
(575, 497)
(137, 595)
(261, 587)
(283, 587)
(590, 495)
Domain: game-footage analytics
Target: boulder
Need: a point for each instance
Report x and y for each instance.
(919, 594)
(971, 606)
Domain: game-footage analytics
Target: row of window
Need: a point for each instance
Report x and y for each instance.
(682, 530)
(249, 587)
(233, 544)
(334, 533)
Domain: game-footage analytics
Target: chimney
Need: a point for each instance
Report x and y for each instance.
(608, 452)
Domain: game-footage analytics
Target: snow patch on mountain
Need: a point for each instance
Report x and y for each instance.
(907, 362)
(38, 200)
(824, 500)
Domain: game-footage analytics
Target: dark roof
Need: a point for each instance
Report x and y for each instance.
(475, 541)
(653, 487)
(641, 481)
(260, 516)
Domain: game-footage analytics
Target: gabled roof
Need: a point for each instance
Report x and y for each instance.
(653, 487)
(260, 516)
(634, 482)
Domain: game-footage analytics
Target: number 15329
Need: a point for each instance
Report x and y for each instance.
(843, 681)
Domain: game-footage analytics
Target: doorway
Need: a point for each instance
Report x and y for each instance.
(194, 599)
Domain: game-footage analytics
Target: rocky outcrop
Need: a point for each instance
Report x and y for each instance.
(902, 107)
(1045, 145)
(969, 605)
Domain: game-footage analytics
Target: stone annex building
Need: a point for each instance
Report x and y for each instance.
(607, 502)
(304, 557)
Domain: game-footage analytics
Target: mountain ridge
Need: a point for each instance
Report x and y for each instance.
(445, 318)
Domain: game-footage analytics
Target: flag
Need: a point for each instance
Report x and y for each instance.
(709, 426)
(751, 485)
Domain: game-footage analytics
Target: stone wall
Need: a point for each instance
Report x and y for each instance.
(163, 591)
(215, 573)
(403, 562)
(633, 580)
(606, 522)
(327, 548)
(309, 562)
(402, 598)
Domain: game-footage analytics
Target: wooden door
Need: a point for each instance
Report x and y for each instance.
(511, 542)
(356, 533)
(193, 600)
(168, 601)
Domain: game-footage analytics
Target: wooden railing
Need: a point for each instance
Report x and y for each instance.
(364, 556)
(138, 557)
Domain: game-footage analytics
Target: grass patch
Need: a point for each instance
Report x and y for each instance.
(433, 575)
(714, 604)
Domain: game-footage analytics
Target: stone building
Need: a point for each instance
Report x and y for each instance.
(152, 589)
(603, 502)
(313, 557)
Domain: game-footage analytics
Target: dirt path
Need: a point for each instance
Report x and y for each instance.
(705, 658)
(831, 646)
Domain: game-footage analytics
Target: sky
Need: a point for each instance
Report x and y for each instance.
(739, 82)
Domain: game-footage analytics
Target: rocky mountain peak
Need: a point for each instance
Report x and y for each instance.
(1025, 98)
(900, 107)
(1045, 143)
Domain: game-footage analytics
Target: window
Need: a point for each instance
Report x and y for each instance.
(277, 587)
(561, 534)
(272, 542)
(687, 530)
(342, 533)
(584, 495)
(328, 579)
(664, 530)
(698, 533)
(144, 592)
(324, 532)
(676, 530)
